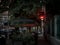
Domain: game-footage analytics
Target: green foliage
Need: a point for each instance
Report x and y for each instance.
(4, 5)
(19, 4)
(5, 2)
(3, 9)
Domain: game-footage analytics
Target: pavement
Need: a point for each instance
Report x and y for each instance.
(43, 41)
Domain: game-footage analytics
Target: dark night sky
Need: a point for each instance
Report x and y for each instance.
(53, 6)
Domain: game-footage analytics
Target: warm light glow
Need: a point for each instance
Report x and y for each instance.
(42, 17)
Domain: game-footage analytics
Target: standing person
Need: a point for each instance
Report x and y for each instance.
(14, 35)
(3, 40)
(24, 37)
(35, 35)
(0, 39)
(36, 38)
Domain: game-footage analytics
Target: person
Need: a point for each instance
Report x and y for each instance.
(0, 39)
(35, 35)
(36, 38)
(24, 37)
(3, 40)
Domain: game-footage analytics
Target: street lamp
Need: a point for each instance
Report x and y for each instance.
(42, 23)
(42, 17)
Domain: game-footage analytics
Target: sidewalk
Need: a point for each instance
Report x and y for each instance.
(9, 42)
(42, 41)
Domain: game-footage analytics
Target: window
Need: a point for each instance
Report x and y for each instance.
(53, 27)
(58, 27)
